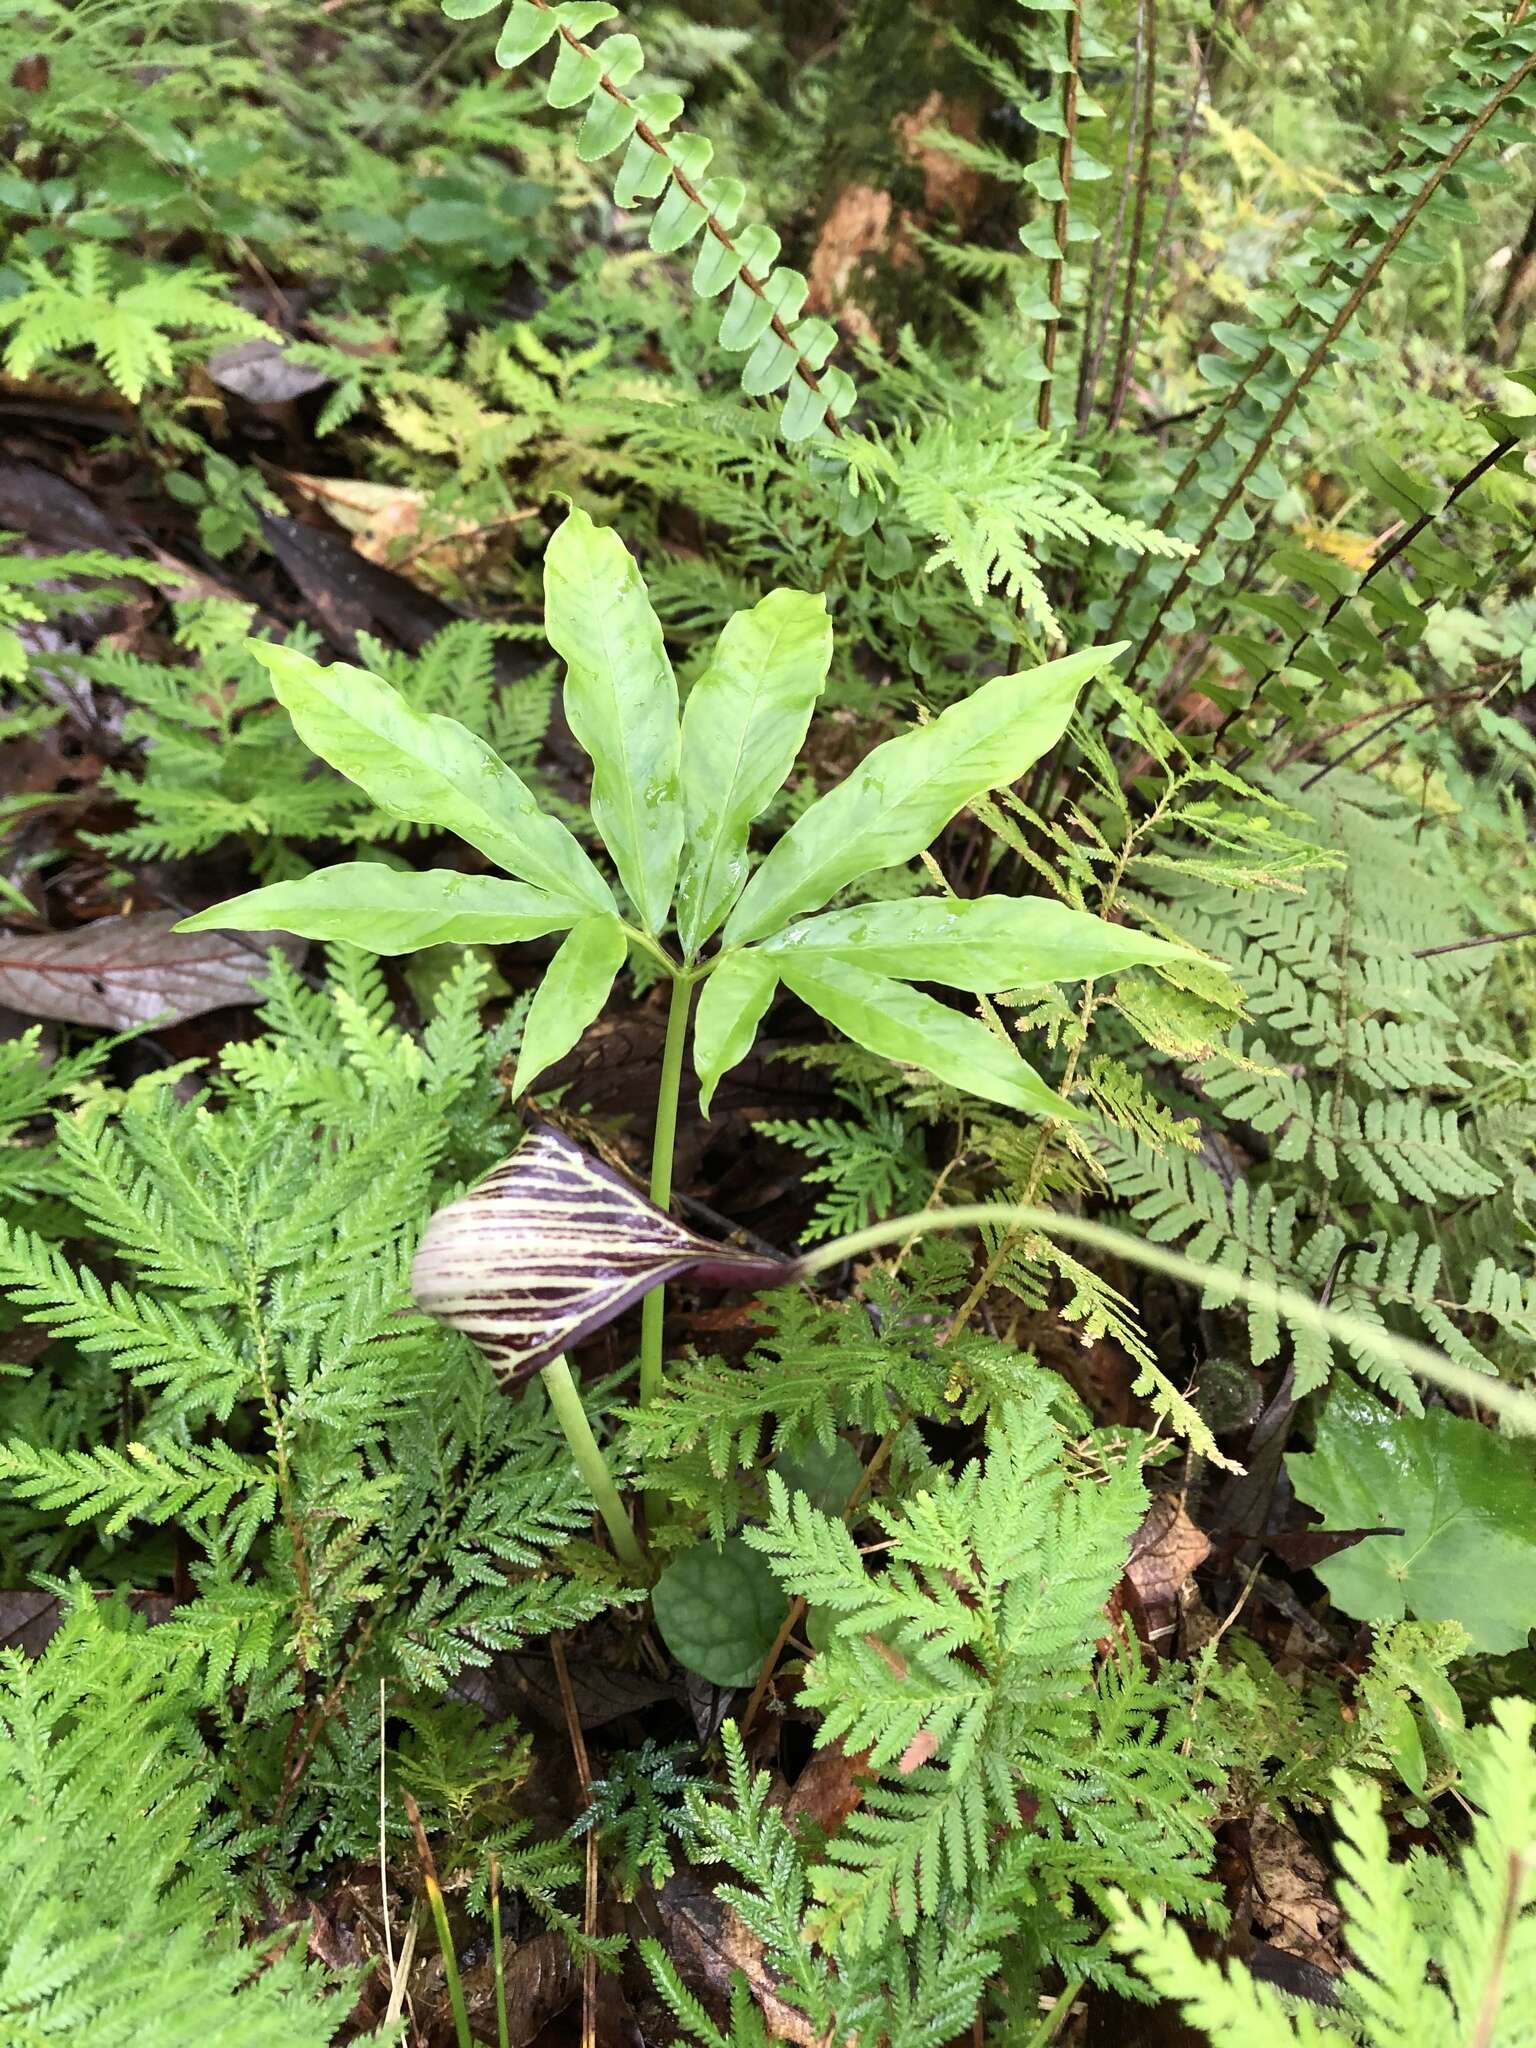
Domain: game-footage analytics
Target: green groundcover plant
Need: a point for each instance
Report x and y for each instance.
(673, 801)
(1119, 927)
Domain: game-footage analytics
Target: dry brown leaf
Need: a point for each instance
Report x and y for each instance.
(541, 1980)
(1293, 1901)
(831, 1786)
(922, 1749)
(709, 1944)
(1165, 1550)
(380, 516)
(376, 515)
(263, 373)
(124, 971)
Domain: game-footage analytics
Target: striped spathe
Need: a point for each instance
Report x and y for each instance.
(552, 1245)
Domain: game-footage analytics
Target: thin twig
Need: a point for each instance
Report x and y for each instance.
(1088, 370)
(589, 1904)
(1493, 1992)
(1527, 931)
(1175, 179)
(1261, 362)
(1400, 542)
(1123, 358)
(796, 1613)
(389, 1939)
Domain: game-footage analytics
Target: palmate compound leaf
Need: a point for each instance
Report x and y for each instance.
(551, 1246)
(1464, 1498)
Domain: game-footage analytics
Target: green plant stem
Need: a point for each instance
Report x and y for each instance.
(590, 1462)
(1353, 1332)
(654, 1307)
(440, 1921)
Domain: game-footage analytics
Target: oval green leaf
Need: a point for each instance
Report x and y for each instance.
(733, 1004)
(744, 723)
(719, 1609)
(901, 1023)
(574, 989)
(391, 910)
(981, 944)
(905, 792)
(621, 701)
(431, 770)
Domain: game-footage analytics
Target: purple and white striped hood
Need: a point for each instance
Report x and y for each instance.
(552, 1245)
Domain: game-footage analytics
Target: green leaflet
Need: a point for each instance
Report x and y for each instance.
(901, 1023)
(621, 701)
(906, 791)
(985, 944)
(733, 1004)
(431, 770)
(743, 725)
(573, 991)
(391, 910)
(1464, 1498)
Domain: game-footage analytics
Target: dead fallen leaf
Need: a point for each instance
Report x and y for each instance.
(1355, 550)
(831, 1786)
(119, 972)
(29, 1619)
(948, 184)
(263, 373)
(1301, 1549)
(381, 516)
(922, 1749)
(709, 1944)
(541, 1980)
(1293, 1901)
(376, 515)
(1165, 1550)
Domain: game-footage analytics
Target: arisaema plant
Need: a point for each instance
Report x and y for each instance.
(676, 789)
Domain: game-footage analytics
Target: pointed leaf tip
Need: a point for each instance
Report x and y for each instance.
(551, 1246)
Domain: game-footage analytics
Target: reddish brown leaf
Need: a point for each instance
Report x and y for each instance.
(922, 1749)
(123, 971)
(831, 1786)
(1303, 1548)
(1165, 1550)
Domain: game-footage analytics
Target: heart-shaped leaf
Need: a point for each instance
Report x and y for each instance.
(719, 1608)
(551, 1246)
